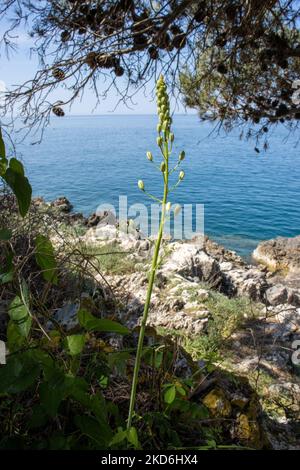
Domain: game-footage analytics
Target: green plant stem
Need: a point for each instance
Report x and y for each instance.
(149, 293)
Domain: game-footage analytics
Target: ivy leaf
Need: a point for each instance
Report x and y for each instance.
(91, 323)
(170, 394)
(20, 187)
(45, 258)
(19, 373)
(19, 314)
(75, 344)
(53, 392)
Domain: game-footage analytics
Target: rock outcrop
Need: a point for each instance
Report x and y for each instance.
(279, 254)
(63, 204)
(191, 261)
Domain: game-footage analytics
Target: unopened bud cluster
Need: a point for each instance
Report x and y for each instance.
(164, 140)
(163, 110)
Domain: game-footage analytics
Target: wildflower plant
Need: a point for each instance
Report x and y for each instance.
(165, 139)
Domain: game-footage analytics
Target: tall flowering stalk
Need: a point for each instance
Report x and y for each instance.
(164, 141)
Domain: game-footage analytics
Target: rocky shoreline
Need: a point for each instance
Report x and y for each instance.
(274, 279)
(204, 291)
(199, 261)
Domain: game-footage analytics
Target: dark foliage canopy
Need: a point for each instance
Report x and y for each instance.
(234, 61)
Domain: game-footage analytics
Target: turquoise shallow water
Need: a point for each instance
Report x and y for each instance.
(247, 197)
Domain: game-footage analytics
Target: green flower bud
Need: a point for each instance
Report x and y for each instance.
(165, 125)
(181, 175)
(158, 128)
(177, 210)
(172, 137)
(149, 156)
(162, 167)
(159, 141)
(182, 155)
(165, 104)
(141, 185)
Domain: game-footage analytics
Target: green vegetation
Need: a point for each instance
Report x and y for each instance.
(227, 316)
(68, 387)
(110, 258)
(12, 172)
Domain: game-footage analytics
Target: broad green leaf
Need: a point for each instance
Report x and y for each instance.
(3, 166)
(19, 373)
(180, 390)
(91, 323)
(170, 394)
(5, 234)
(76, 384)
(158, 358)
(78, 389)
(199, 411)
(45, 258)
(21, 189)
(195, 410)
(44, 360)
(129, 435)
(2, 146)
(119, 437)
(53, 392)
(14, 338)
(16, 166)
(95, 430)
(75, 344)
(118, 361)
(103, 381)
(19, 314)
(6, 277)
(133, 438)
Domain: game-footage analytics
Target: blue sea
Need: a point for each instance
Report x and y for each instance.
(247, 196)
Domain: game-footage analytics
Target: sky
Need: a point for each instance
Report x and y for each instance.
(21, 66)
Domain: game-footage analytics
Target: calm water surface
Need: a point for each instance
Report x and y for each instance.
(247, 197)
